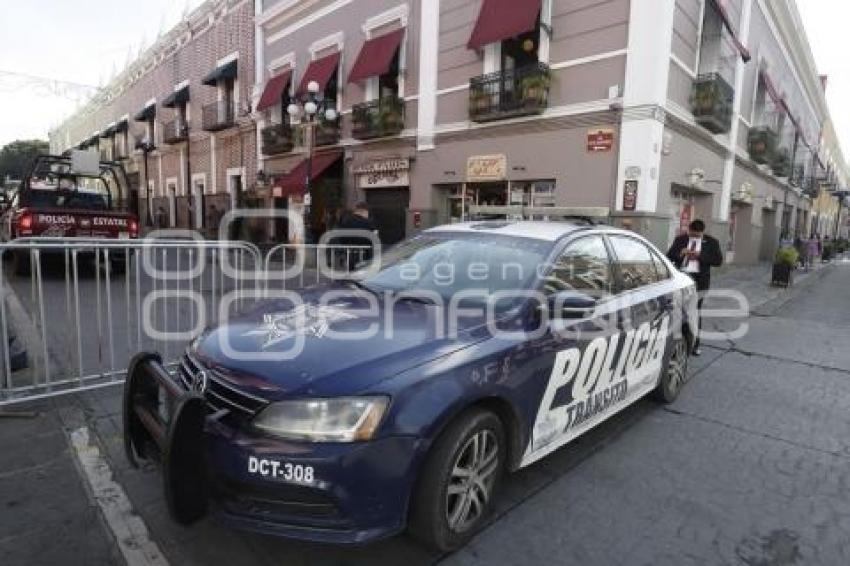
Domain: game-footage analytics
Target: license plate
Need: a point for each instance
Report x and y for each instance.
(287, 471)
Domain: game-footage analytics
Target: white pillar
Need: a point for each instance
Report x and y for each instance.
(647, 74)
(428, 49)
(729, 165)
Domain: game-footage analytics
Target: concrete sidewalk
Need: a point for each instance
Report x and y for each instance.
(753, 281)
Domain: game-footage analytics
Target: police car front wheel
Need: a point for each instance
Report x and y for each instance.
(459, 481)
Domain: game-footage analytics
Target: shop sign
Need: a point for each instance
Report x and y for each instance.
(630, 189)
(484, 168)
(383, 173)
(600, 140)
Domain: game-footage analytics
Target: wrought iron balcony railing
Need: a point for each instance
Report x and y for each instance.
(327, 132)
(378, 118)
(506, 94)
(711, 103)
(761, 144)
(781, 164)
(218, 116)
(175, 131)
(277, 139)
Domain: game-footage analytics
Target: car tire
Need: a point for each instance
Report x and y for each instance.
(675, 372)
(459, 480)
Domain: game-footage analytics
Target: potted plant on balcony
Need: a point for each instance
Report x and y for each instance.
(479, 101)
(534, 89)
(761, 144)
(783, 266)
(390, 118)
(710, 103)
(782, 163)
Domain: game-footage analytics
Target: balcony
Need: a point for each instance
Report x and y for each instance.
(175, 131)
(378, 118)
(277, 139)
(510, 93)
(781, 164)
(327, 132)
(144, 144)
(797, 176)
(217, 116)
(761, 144)
(711, 103)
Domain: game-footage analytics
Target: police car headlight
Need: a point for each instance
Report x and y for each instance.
(345, 419)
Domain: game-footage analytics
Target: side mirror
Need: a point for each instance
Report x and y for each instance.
(571, 305)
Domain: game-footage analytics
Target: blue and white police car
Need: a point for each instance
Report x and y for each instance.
(399, 399)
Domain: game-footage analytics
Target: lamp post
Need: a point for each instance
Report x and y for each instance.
(312, 106)
(146, 146)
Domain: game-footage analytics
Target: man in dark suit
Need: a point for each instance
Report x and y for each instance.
(696, 253)
(357, 220)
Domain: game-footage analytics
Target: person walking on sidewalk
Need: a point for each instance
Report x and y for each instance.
(696, 253)
(811, 253)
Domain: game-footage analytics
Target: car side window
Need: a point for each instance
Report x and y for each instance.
(583, 266)
(661, 268)
(635, 261)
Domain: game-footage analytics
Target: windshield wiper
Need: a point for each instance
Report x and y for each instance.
(360, 285)
(402, 296)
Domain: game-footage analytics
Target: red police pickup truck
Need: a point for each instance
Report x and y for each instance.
(61, 201)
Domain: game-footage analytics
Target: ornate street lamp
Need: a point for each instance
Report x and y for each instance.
(312, 105)
(147, 146)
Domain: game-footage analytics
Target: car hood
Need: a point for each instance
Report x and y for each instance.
(333, 348)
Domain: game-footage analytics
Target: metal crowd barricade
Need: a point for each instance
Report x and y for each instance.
(294, 266)
(81, 310)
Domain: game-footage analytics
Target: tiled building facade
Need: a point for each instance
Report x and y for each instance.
(647, 113)
(181, 113)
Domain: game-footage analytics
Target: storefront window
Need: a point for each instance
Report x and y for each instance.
(483, 200)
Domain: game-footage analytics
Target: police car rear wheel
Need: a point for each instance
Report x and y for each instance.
(675, 373)
(459, 481)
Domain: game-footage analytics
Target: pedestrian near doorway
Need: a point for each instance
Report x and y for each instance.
(160, 219)
(358, 219)
(695, 253)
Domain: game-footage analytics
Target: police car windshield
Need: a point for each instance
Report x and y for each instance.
(449, 263)
(51, 198)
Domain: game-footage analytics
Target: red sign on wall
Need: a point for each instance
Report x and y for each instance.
(600, 139)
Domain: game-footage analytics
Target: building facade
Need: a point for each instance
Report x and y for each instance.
(178, 119)
(650, 114)
(647, 114)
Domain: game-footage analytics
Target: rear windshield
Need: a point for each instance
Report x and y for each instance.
(41, 198)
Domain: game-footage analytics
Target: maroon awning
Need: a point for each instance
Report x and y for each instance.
(770, 87)
(294, 182)
(274, 90)
(727, 22)
(376, 56)
(321, 71)
(502, 19)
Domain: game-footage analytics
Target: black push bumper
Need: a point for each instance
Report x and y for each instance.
(176, 442)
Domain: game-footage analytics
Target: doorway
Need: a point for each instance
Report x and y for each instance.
(171, 193)
(388, 210)
(199, 185)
